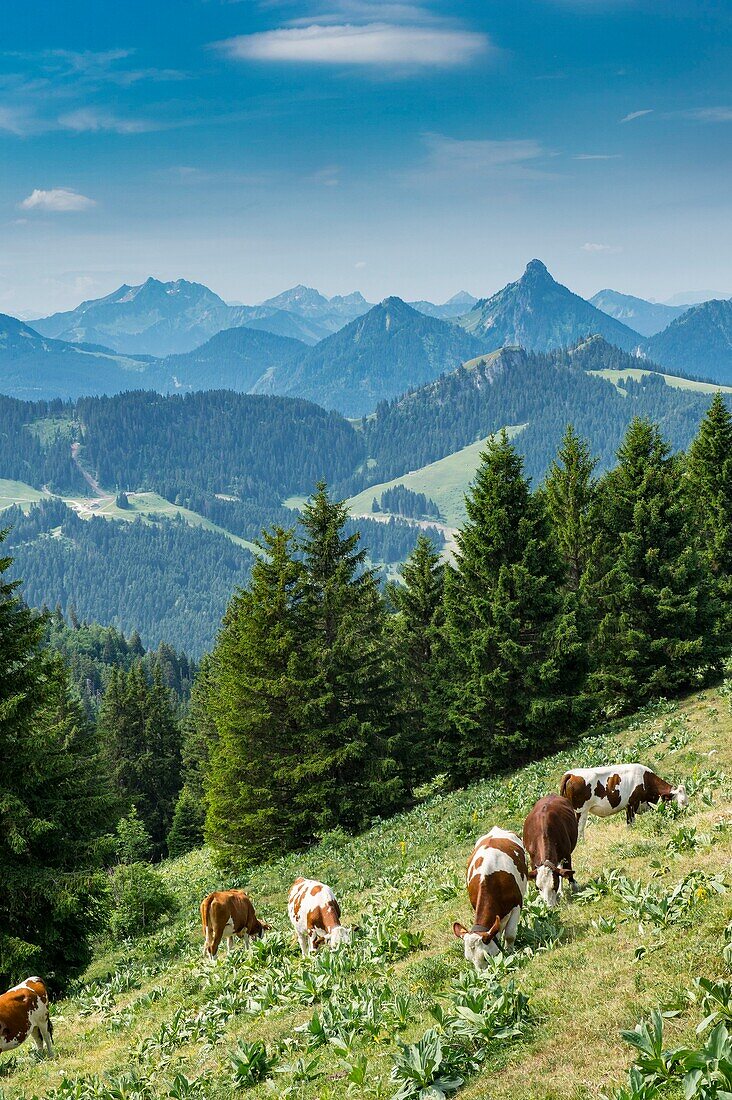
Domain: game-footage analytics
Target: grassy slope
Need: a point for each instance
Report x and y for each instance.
(617, 377)
(582, 990)
(444, 481)
(142, 506)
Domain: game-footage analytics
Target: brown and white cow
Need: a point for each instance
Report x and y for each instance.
(607, 791)
(496, 879)
(24, 1012)
(550, 837)
(225, 914)
(315, 915)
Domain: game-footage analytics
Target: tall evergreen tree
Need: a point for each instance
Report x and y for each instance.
(709, 485)
(354, 770)
(260, 692)
(419, 646)
(55, 806)
(515, 655)
(569, 491)
(141, 737)
(658, 615)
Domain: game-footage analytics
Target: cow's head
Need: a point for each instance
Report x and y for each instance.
(478, 946)
(548, 878)
(340, 936)
(680, 797)
(260, 928)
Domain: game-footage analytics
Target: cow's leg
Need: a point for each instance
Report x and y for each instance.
(244, 937)
(46, 1029)
(37, 1038)
(630, 812)
(214, 941)
(510, 929)
(581, 822)
(304, 943)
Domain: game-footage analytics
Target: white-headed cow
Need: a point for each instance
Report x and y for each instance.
(496, 881)
(608, 790)
(225, 914)
(315, 915)
(550, 837)
(24, 1012)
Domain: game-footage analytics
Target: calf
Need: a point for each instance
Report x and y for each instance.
(24, 1012)
(225, 914)
(315, 915)
(496, 880)
(607, 791)
(550, 837)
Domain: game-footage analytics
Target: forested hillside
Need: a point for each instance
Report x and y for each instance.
(513, 387)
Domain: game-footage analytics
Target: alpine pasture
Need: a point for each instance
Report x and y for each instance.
(399, 1013)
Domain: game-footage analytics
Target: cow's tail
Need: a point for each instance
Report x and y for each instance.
(205, 908)
(563, 785)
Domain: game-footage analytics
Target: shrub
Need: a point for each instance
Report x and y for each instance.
(139, 900)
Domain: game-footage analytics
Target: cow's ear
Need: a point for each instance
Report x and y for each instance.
(495, 929)
(266, 927)
(459, 929)
(567, 872)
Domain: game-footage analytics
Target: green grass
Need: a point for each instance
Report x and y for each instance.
(590, 969)
(50, 428)
(17, 492)
(444, 481)
(617, 377)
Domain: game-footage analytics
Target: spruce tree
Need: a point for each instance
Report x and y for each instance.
(186, 831)
(569, 492)
(419, 648)
(515, 655)
(709, 489)
(55, 806)
(260, 694)
(352, 768)
(658, 627)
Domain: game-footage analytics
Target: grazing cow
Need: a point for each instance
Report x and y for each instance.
(225, 914)
(315, 915)
(496, 881)
(607, 791)
(24, 1012)
(550, 837)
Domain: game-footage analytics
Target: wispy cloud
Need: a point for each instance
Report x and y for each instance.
(704, 114)
(467, 160)
(591, 246)
(329, 176)
(637, 114)
(359, 44)
(95, 120)
(59, 200)
(597, 156)
(16, 120)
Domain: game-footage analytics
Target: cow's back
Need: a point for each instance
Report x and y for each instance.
(550, 824)
(17, 1006)
(498, 862)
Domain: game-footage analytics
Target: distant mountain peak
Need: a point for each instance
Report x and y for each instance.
(535, 269)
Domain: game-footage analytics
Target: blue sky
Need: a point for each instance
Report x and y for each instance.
(417, 147)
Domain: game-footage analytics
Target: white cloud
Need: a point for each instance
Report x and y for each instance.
(368, 44)
(637, 114)
(705, 114)
(93, 120)
(59, 200)
(590, 246)
(597, 156)
(17, 121)
(360, 265)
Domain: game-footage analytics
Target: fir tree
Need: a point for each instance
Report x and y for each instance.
(569, 491)
(658, 616)
(260, 695)
(419, 653)
(54, 806)
(186, 831)
(709, 488)
(515, 656)
(351, 771)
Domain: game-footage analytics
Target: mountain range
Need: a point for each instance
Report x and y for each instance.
(699, 342)
(645, 317)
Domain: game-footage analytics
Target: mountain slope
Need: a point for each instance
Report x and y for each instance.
(648, 318)
(392, 348)
(34, 367)
(589, 969)
(233, 359)
(699, 342)
(539, 314)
